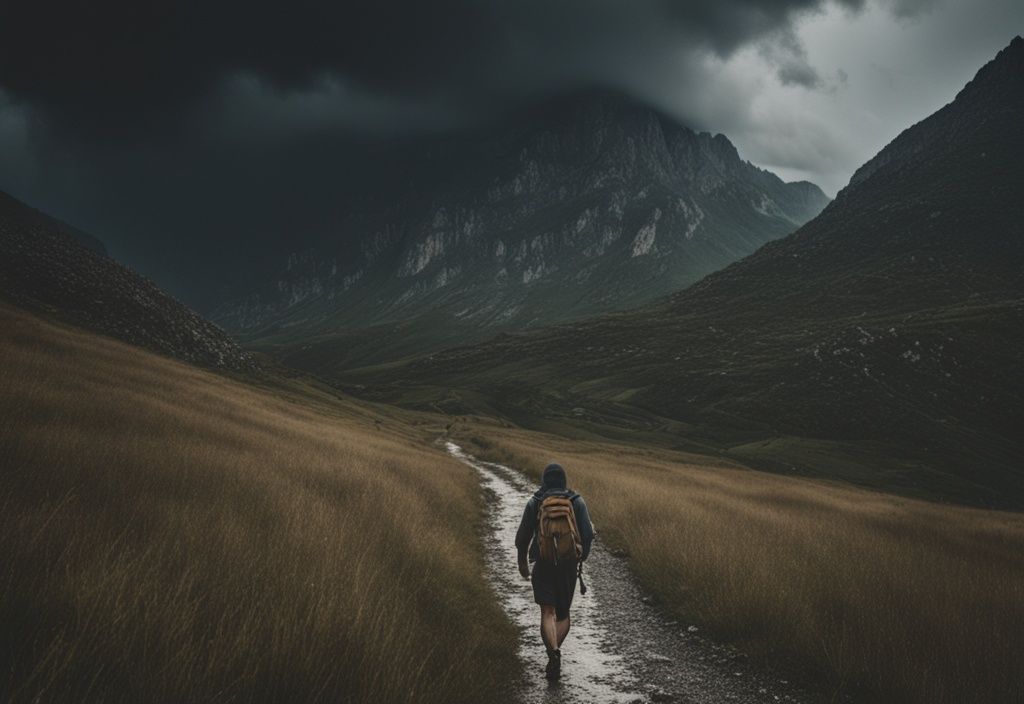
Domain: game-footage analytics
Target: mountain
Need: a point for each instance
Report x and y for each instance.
(599, 204)
(881, 343)
(49, 266)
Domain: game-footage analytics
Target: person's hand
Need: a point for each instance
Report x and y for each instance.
(524, 568)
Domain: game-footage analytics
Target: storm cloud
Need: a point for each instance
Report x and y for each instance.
(121, 63)
(178, 131)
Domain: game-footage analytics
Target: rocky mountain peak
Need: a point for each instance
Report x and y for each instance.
(994, 95)
(597, 203)
(1003, 73)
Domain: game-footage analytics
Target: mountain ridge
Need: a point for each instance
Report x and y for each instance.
(595, 207)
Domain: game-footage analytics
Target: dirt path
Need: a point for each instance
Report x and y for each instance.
(620, 649)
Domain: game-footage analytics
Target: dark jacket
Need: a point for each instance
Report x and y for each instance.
(526, 536)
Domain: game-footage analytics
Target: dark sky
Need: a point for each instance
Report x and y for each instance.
(188, 134)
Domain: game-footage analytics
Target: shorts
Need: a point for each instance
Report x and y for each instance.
(554, 585)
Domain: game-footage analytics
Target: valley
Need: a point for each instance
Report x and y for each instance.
(879, 344)
(795, 420)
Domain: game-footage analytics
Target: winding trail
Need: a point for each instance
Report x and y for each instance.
(620, 649)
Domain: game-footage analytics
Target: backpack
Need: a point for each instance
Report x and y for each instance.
(558, 537)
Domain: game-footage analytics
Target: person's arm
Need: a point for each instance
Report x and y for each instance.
(524, 535)
(583, 523)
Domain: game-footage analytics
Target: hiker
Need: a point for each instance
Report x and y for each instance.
(555, 535)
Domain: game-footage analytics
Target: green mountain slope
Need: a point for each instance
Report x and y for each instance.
(882, 343)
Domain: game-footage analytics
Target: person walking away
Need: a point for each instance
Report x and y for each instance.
(554, 536)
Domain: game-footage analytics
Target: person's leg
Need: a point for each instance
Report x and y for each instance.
(549, 634)
(564, 590)
(548, 627)
(562, 630)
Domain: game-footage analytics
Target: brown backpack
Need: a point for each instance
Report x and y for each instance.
(558, 537)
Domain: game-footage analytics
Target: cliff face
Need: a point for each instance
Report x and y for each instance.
(600, 206)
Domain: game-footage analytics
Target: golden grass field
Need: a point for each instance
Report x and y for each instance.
(890, 599)
(167, 534)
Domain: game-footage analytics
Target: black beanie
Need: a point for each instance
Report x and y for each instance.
(554, 477)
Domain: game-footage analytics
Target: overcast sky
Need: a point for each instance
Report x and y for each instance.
(876, 72)
(177, 130)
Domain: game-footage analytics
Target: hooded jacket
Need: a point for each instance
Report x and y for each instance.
(553, 484)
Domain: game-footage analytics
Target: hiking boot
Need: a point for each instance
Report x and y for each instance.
(554, 669)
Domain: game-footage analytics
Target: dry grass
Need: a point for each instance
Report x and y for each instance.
(891, 599)
(170, 535)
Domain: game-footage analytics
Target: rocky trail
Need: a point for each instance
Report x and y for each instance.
(620, 648)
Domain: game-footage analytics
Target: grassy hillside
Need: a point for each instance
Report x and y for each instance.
(891, 599)
(170, 535)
